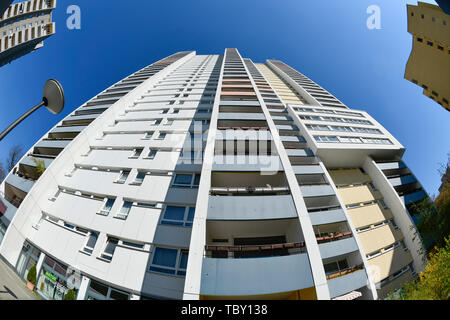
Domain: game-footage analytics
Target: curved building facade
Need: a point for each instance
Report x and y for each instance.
(213, 177)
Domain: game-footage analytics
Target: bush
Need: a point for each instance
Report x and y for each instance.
(31, 276)
(70, 295)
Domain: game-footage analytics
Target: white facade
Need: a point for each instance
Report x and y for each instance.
(127, 202)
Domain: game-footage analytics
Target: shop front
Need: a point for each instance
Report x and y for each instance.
(52, 280)
(28, 258)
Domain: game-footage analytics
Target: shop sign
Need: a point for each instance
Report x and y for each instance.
(50, 276)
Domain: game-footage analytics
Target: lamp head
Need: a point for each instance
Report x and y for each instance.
(53, 96)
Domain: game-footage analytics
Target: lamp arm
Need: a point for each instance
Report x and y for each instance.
(15, 123)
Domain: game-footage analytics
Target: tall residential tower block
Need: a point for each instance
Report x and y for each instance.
(23, 28)
(213, 177)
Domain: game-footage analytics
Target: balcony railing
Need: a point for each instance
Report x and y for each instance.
(334, 237)
(265, 250)
(344, 272)
(243, 128)
(249, 190)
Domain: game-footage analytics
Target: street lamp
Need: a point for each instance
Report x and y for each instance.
(53, 100)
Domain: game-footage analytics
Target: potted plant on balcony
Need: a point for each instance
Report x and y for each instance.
(70, 295)
(31, 277)
(40, 166)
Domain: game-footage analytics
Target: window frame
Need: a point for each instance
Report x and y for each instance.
(185, 222)
(177, 270)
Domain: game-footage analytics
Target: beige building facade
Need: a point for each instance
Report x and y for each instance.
(429, 63)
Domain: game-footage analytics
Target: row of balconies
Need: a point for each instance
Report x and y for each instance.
(16, 10)
(25, 36)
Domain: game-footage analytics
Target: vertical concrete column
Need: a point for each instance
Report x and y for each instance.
(192, 284)
(39, 263)
(315, 258)
(84, 285)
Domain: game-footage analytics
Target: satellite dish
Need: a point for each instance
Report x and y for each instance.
(53, 96)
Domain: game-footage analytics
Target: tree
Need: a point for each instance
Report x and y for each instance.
(31, 276)
(14, 156)
(70, 295)
(433, 283)
(2, 173)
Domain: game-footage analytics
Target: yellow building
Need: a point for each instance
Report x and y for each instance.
(429, 63)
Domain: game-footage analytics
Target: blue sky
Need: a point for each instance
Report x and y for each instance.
(326, 40)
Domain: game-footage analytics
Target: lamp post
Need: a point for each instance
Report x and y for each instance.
(53, 100)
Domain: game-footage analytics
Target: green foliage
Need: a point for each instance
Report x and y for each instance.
(433, 283)
(70, 295)
(434, 219)
(40, 166)
(31, 276)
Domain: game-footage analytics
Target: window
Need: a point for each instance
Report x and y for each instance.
(178, 216)
(162, 136)
(133, 245)
(430, 43)
(318, 128)
(372, 186)
(326, 139)
(186, 180)
(99, 291)
(376, 141)
(139, 178)
(107, 206)
(125, 210)
(123, 176)
(90, 243)
(168, 123)
(151, 154)
(373, 254)
(148, 135)
(175, 111)
(343, 129)
(335, 266)
(349, 140)
(404, 245)
(110, 247)
(164, 111)
(169, 261)
(383, 204)
(136, 153)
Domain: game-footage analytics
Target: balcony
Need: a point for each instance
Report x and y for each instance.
(255, 276)
(307, 169)
(299, 153)
(332, 215)
(262, 163)
(317, 191)
(402, 180)
(246, 251)
(20, 182)
(346, 283)
(260, 207)
(337, 245)
(410, 198)
(250, 181)
(242, 116)
(242, 135)
(391, 165)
